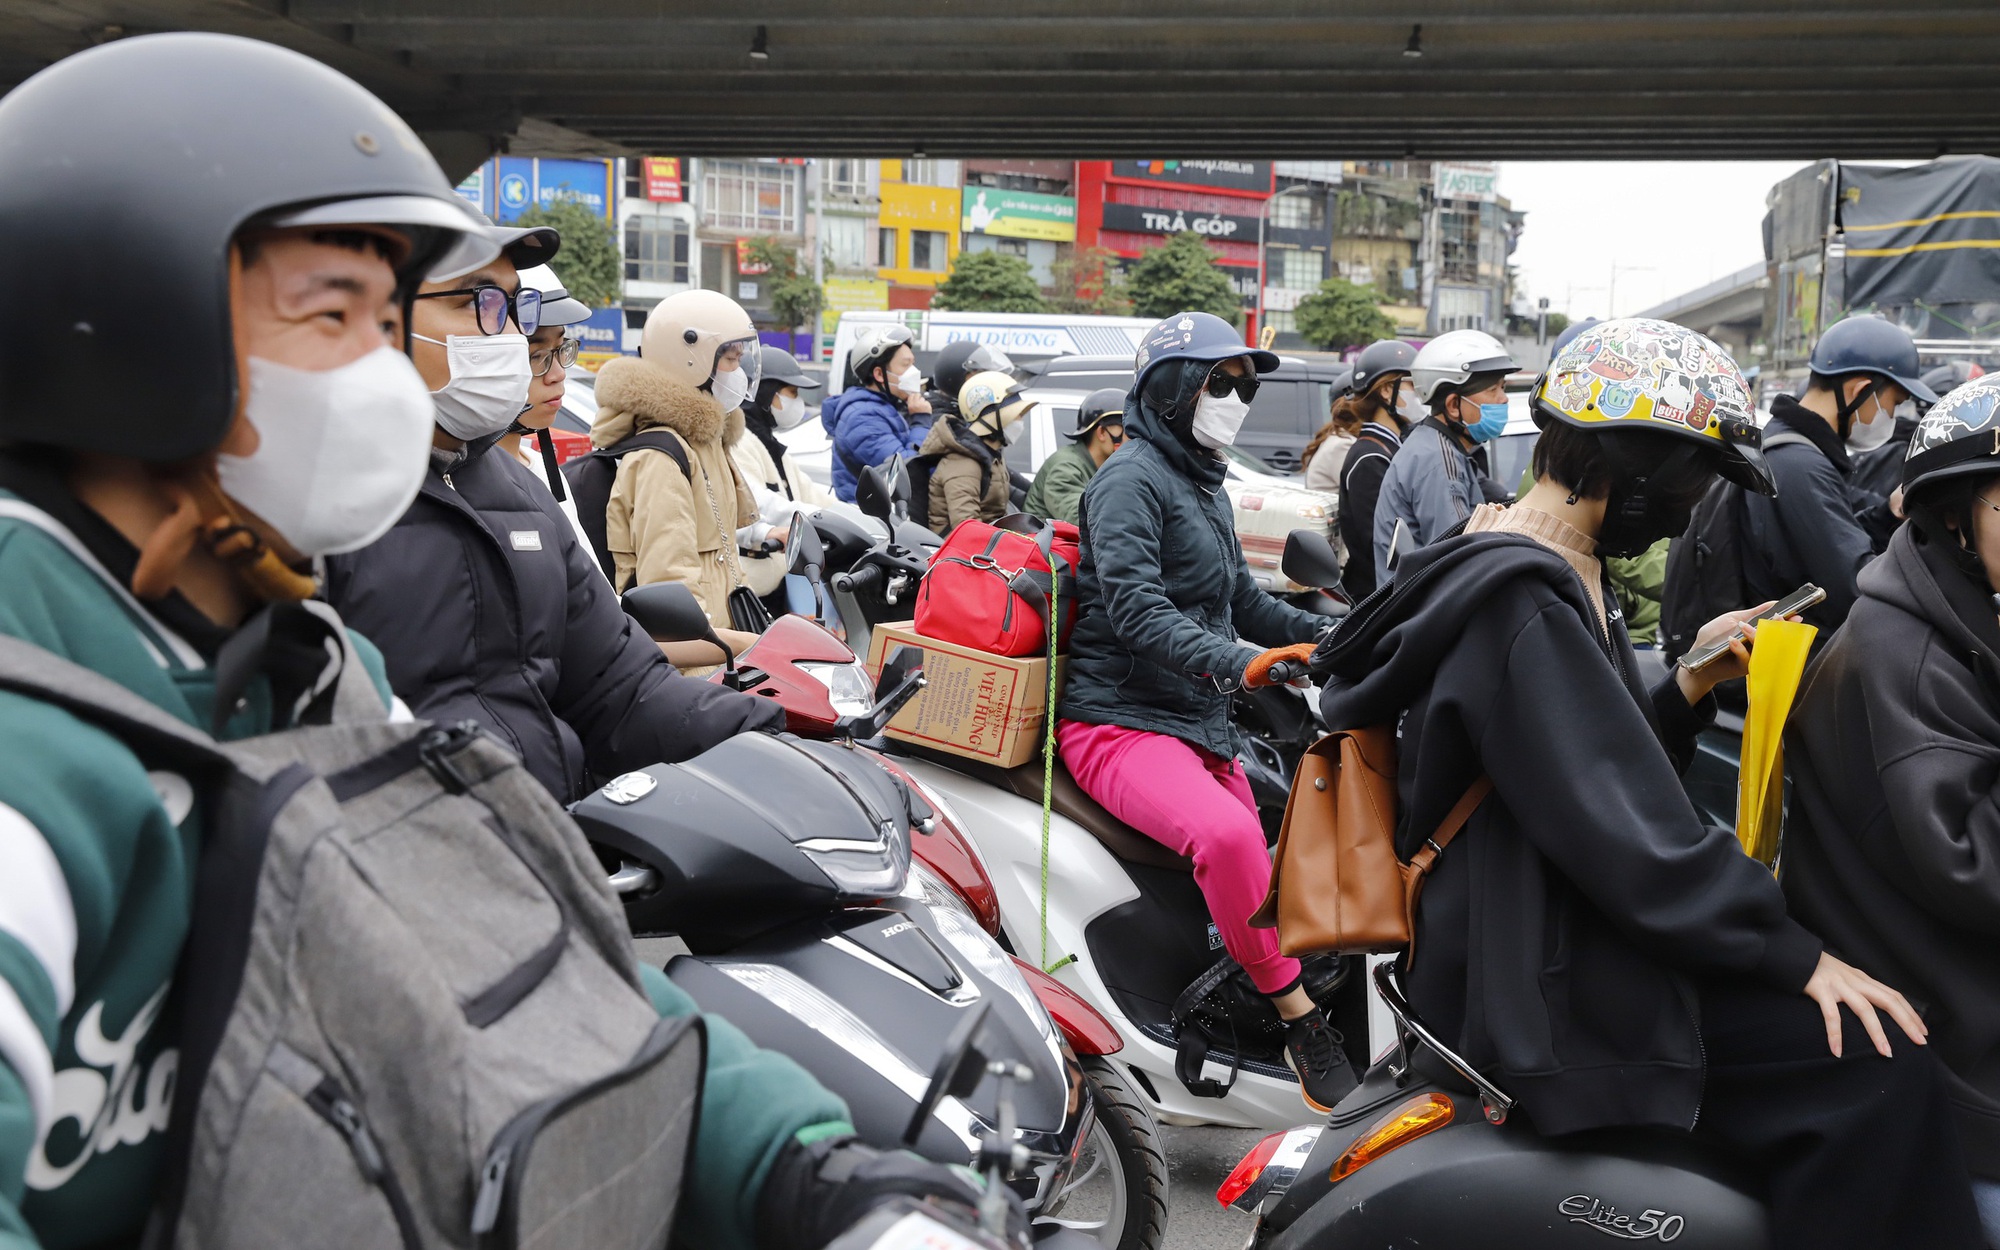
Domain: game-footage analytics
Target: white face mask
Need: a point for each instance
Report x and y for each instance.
(909, 381)
(730, 388)
(1865, 436)
(1216, 420)
(787, 411)
(489, 383)
(340, 453)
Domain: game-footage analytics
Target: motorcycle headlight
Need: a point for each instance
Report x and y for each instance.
(958, 926)
(847, 686)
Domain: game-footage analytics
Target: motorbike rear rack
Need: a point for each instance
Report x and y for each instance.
(1492, 1100)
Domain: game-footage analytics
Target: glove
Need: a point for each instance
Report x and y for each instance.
(815, 1193)
(1259, 672)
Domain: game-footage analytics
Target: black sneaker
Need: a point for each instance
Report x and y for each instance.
(1312, 1048)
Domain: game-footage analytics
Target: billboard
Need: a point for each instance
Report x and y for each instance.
(661, 177)
(1142, 220)
(1019, 214)
(1467, 180)
(1249, 176)
(522, 182)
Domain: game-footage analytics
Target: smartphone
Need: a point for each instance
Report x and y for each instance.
(1798, 601)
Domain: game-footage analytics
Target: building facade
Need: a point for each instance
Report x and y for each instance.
(1020, 208)
(917, 228)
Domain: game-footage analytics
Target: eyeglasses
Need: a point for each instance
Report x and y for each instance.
(563, 353)
(1221, 382)
(495, 305)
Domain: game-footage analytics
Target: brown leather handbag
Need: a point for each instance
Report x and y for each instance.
(1336, 883)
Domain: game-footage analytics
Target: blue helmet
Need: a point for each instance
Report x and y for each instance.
(1871, 345)
(1570, 332)
(1197, 336)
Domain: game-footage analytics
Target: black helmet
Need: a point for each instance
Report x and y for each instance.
(1960, 435)
(1871, 345)
(959, 360)
(1096, 407)
(132, 166)
(1376, 359)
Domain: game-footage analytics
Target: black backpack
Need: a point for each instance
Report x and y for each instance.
(1705, 575)
(591, 477)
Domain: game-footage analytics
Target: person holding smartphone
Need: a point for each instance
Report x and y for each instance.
(1586, 941)
(1892, 849)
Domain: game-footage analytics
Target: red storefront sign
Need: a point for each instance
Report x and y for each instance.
(661, 176)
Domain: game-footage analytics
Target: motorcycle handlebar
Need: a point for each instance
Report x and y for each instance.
(855, 580)
(1285, 672)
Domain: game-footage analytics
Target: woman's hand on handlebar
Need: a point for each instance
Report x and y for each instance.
(1278, 666)
(1834, 983)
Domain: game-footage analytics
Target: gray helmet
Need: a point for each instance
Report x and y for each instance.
(780, 366)
(874, 347)
(1378, 358)
(132, 166)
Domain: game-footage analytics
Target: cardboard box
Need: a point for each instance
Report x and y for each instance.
(983, 707)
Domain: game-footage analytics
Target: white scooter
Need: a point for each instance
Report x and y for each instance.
(1127, 928)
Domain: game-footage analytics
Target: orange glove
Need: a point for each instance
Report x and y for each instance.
(1259, 672)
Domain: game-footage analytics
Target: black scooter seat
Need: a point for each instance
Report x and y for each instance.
(1117, 837)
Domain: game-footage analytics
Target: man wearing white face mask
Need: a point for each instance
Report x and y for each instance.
(883, 414)
(484, 601)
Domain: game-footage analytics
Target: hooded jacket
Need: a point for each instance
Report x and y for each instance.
(663, 525)
(1164, 595)
(968, 481)
(1892, 845)
(867, 427)
(1556, 936)
(488, 608)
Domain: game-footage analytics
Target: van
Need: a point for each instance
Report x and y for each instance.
(1028, 339)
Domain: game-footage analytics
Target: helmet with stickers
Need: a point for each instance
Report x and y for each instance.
(1959, 436)
(1639, 374)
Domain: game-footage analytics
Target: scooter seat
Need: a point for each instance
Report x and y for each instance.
(1123, 841)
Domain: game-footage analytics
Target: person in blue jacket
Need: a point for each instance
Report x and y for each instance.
(883, 414)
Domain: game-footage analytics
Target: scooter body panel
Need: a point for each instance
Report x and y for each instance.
(1086, 883)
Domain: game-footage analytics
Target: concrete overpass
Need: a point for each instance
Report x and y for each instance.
(1548, 79)
(1729, 310)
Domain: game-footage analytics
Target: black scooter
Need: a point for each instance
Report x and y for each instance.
(784, 866)
(1409, 1161)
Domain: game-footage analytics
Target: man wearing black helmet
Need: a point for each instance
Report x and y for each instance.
(166, 546)
(1815, 530)
(954, 366)
(1057, 492)
(1893, 745)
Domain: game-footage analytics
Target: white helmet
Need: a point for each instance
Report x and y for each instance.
(1452, 358)
(877, 345)
(686, 335)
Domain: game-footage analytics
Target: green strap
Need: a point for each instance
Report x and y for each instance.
(1049, 759)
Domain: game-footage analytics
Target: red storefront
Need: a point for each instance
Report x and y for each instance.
(1130, 207)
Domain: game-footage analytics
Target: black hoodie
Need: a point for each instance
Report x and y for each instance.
(1556, 935)
(1892, 847)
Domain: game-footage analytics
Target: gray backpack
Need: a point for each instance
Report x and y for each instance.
(409, 1007)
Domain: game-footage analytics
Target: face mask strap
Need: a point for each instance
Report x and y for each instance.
(1844, 416)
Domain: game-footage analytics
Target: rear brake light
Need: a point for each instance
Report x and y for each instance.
(1245, 1174)
(1425, 1113)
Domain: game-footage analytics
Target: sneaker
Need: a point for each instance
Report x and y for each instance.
(1312, 1048)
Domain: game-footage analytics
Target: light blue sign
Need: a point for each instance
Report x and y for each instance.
(604, 332)
(513, 194)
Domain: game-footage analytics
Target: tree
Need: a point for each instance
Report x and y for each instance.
(1555, 324)
(795, 298)
(990, 282)
(1088, 281)
(1341, 315)
(590, 263)
(1182, 276)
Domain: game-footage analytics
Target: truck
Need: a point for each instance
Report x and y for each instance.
(1917, 244)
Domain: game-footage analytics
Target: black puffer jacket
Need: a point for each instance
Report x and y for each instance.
(1892, 843)
(1556, 934)
(486, 608)
(1163, 595)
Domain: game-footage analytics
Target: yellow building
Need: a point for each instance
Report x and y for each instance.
(917, 229)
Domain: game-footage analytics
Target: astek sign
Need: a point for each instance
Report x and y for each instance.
(1469, 180)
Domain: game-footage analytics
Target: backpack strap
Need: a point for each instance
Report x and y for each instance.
(1449, 827)
(1786, 438)
(651, 440)
(27, 669)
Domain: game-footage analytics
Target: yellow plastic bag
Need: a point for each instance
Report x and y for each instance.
(1777, 662)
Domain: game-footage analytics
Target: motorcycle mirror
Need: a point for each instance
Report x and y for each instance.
(902, 678)
(896, 670)
(803, 549)
(669, 612)
(1309, 559)
(958, 1071)
(874, 496)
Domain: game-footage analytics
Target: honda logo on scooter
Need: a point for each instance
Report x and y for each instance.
(1593, 1213)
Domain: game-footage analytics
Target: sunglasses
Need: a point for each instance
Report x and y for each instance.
(1116, 436)
(563, 353)
(495, 305)
(1221, 382)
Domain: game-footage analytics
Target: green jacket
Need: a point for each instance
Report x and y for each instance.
(107, 852)
(1058, 490)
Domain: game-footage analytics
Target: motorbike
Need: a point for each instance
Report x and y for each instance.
(1126, 927)
(827, 938)
(1428, 1153)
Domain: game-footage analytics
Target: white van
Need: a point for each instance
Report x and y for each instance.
(1027, 338)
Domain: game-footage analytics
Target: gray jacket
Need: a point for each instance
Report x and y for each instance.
(1431, 486)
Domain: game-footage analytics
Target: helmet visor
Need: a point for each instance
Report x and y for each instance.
(987, 359)
(745, 354)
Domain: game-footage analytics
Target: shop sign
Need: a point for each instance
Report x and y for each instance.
(743, 262)
(1232, 175)
(527, 181)
(1141, 220)
(1467, 180)
(1019, 214)
(844, 295)
(661, 177)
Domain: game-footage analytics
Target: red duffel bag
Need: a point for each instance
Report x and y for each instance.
(988, 587)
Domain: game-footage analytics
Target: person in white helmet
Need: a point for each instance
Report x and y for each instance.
(1433, 484)
(883, 414)
(669, 520)
(552, 351)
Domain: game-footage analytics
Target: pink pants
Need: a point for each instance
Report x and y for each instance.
(1198, 805)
